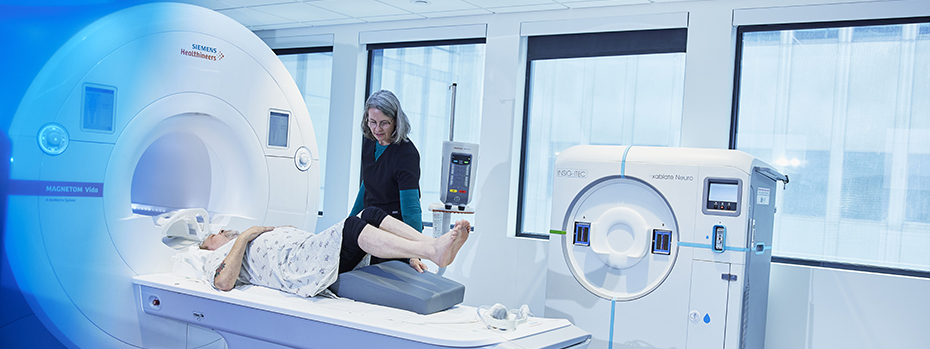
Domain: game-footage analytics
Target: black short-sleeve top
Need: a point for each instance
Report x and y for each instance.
(398, 168)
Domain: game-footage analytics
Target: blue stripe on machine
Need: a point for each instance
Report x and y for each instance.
(707, 246)
(623, 161)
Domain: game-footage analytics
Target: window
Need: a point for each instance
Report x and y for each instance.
(312, 70)
(619, 88)
(841, 108)
(420, 74)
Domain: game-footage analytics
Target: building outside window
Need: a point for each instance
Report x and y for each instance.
(615, 88)
(842, 109)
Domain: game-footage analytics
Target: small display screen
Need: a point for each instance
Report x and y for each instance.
(98, 109)
(723, 192)
(460, 172)
(277, 129)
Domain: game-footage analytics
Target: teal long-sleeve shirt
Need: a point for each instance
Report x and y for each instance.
(409, 203)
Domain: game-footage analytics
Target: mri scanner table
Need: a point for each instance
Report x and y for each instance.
(251, 316)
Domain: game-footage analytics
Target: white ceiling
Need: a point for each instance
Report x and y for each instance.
(278, 14)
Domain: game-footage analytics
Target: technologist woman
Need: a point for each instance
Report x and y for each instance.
(390, 165)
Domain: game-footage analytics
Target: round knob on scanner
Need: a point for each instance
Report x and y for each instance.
(600, 229)
(303, 159)
(154, 302)
(53, 139)
(694, 316)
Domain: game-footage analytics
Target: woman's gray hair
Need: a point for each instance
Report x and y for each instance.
(387, 103)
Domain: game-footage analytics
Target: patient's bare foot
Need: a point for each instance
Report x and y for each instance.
(443, 255)
(451, 242)
(464, 229)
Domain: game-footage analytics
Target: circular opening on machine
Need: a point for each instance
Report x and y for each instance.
(620, 237)
(629, 209)
(173, 173)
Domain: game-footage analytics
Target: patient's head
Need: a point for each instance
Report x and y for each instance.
(215, 241)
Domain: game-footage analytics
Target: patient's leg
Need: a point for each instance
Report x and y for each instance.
(442, 250)
(380, 219)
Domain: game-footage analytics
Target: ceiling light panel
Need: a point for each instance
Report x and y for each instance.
(249, 17)
(524, 8)
(459, 13)
(434, 6)
(300, 12)
(359, 8)
(509, 3)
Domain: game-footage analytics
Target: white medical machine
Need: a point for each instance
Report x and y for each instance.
(662, 247)
(139, 129)
(458, 169)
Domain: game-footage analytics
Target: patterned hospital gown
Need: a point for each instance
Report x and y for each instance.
(286, 259)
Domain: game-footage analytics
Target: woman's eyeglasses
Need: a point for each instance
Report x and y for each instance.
(382, 124)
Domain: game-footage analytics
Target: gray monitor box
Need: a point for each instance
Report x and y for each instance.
(395, 284)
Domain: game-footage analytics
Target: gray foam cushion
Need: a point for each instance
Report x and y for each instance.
(395, 284)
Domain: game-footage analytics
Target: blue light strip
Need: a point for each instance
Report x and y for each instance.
(623, 162)
(691, 244)
(610, 340)
(613, 302)
(707, 246)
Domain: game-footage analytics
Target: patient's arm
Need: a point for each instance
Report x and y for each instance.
(228, 271)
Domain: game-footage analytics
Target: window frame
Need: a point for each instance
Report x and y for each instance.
(741, 30)
(585, 45)
(306, 50)
(409, 44)
(371, 47)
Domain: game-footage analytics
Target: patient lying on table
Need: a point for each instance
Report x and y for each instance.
(304, 263)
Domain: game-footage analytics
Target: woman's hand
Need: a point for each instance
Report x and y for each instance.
(418, 265)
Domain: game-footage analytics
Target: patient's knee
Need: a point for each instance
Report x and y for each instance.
(373, 215)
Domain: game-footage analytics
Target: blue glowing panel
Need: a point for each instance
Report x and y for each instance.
(277, 129)
(99, 106)
(582, 234)
(661, 241)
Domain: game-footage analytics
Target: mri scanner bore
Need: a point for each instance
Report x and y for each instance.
(662, 247)
(165, 113)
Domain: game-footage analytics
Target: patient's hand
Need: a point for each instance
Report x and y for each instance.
(417, 264)
(253, 232)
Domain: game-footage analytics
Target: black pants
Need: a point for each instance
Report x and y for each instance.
(351, 254)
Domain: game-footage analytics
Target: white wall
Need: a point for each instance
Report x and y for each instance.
(808, 307)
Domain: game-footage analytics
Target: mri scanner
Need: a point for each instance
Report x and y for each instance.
(164, 107)
(662, 247)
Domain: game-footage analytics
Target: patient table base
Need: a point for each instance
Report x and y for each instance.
(254, 316)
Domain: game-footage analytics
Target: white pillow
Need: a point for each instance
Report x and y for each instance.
(190, 263)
